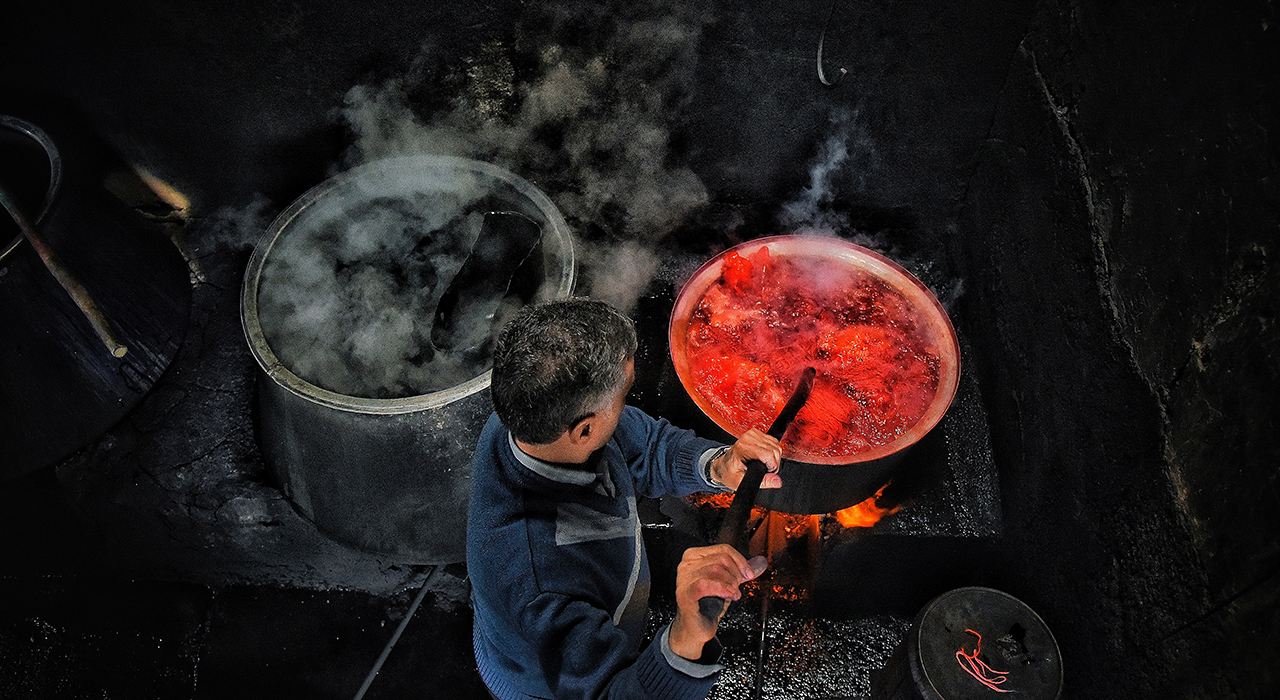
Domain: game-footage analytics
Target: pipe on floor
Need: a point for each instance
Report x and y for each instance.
(395, 637)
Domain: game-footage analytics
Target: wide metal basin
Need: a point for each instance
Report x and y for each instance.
(388, 475)
(824, 483)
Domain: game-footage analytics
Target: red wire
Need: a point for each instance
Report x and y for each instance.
(979, 669)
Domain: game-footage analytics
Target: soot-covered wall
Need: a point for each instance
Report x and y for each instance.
(1091, 186)
(1118, 235)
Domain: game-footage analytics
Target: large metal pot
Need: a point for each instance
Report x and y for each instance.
(817, 483)
(388, 475)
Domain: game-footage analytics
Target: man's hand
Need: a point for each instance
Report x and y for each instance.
(717, 571)
(729, 467)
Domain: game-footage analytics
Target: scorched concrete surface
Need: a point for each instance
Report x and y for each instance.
(1091, 187)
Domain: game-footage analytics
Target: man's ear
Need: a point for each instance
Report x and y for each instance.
(580, 431)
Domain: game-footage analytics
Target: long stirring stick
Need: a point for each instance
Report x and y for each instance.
(733, 529)
(762, 645)
(74, 289)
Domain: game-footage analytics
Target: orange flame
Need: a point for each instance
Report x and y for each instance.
(714, 500)
(867, 513)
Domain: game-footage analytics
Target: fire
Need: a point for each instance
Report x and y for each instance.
(713, 500)
(866, 513)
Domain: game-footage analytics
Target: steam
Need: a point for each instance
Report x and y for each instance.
(349, 305)
(236, 228)
(591, 126)
(849, 151)
(630, 267)
(347, 294)
(843, 164)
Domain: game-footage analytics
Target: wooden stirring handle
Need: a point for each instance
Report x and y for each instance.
(68, 281)
(733, 531)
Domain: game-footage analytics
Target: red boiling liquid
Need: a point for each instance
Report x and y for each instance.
(765, 319)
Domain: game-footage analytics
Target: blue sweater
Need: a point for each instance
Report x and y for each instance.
(560, 582)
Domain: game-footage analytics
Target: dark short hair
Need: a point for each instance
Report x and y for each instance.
(555, 362)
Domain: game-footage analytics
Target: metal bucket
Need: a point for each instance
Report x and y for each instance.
(816, 484)
(387, 475)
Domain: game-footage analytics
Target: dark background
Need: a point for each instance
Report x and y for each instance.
(1090, 186)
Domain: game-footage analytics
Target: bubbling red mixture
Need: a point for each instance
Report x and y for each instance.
(765, 319)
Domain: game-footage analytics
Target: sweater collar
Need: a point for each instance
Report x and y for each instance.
(566, 475)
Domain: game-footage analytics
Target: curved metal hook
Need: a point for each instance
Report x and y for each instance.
(822, 39)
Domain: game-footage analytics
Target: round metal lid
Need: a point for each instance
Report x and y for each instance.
(979, 643)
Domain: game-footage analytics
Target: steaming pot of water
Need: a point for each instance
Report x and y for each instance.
(753, 317)
(367, 426)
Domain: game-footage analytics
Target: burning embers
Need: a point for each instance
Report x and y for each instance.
(768, 316)
(794, 543)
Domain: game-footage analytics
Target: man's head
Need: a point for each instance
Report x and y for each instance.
(558, 364)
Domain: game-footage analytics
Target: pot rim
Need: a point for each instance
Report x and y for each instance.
(270, 364)
(55, 172)
(882, 268)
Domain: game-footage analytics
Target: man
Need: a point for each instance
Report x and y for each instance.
(559, 578)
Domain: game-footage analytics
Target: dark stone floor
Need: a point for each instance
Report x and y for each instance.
(95, 637)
